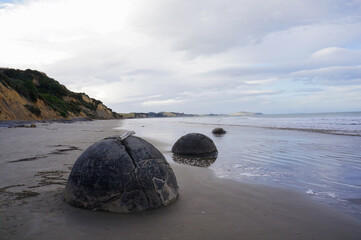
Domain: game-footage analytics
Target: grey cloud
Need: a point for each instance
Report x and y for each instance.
(206, 27)
(307, 90)
(148, 72)
(335, 56)
(331, 66)
(335, 75)
(250, 72)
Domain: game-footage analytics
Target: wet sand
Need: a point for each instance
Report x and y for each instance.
(35, 163)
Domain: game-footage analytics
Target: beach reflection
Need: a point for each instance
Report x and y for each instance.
(194, 161)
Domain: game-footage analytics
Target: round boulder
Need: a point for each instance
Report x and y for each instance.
(195, 144)
(218, 131)
(121, 175)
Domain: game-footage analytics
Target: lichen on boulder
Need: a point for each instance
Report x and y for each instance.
(122, 175)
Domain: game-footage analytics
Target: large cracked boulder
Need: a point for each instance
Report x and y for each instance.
(121, 175)
(195, 145)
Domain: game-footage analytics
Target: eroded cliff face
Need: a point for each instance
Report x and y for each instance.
(30, 95)
(12, 105)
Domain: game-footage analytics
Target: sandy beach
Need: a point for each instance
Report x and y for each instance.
(35, 164)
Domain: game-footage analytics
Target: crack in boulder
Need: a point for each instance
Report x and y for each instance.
(136, 171)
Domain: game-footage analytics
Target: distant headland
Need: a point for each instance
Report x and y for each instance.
(177, 114)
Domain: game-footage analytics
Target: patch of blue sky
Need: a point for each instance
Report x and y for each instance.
(7, 1)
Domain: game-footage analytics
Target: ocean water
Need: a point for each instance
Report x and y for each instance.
(316, 154)
(332, 123)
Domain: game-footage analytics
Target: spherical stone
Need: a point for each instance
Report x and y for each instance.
(195, 144)
(219, 131)
(124, 176)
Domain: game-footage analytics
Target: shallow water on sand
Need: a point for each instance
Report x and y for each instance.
(325, 166)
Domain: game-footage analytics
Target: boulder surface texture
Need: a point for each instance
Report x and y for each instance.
(196, 145)
(121, 175)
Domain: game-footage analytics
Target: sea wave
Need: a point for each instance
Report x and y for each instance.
(317, 130)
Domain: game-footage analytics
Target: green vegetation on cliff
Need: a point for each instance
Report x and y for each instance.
(33, 109)
(34, 85)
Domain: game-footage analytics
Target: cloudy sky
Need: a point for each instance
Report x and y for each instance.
(219, 56)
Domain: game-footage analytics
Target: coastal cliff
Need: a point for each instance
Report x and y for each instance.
(32, 95)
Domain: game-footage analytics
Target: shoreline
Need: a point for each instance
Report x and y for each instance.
(207, 208)
(22, 123)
